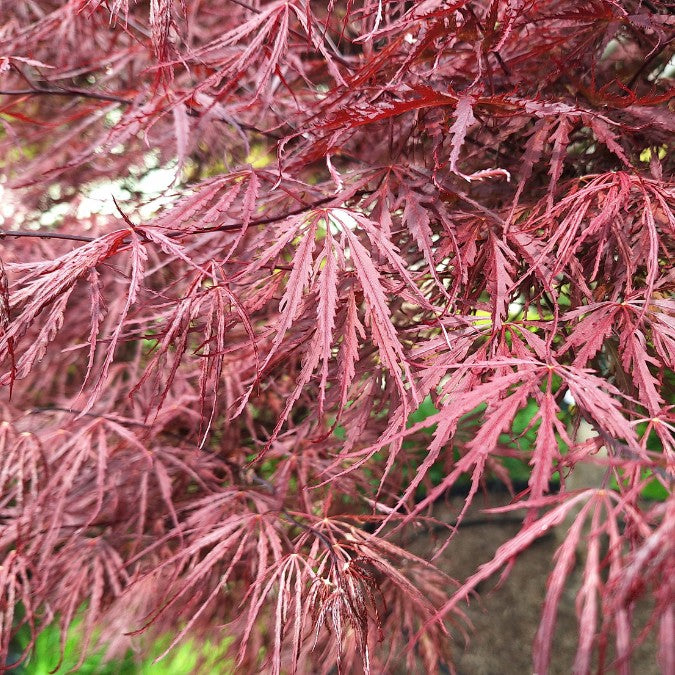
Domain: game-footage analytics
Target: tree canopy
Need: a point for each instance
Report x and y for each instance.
(277, 276)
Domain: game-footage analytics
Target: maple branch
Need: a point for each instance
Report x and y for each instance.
(85, 93)
(647, 62)
(267, 220)
(245, 5)
(503, 65)
(66, 91)
(192, 112)
(179, 233)
(110, 418)
(45, 235)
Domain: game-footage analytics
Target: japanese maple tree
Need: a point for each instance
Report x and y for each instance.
(209, 387)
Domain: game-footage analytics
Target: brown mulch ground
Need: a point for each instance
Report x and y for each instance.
(505, 619)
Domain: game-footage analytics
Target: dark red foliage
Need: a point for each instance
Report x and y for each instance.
(374, 203)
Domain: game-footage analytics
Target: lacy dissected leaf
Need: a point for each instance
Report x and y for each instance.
(46, 289)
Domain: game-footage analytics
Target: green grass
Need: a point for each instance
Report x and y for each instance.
(189, 657)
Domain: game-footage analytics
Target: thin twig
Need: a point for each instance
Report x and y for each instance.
(45, 235)
(70, 411)
(66, 91)
(647, 63)
(245, 5)
(85, 93)
(269, 219)
(193, 112)
(179, 233)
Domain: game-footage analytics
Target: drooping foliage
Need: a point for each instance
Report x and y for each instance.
(210, 384)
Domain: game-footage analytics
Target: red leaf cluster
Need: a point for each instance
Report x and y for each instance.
(210, 383)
